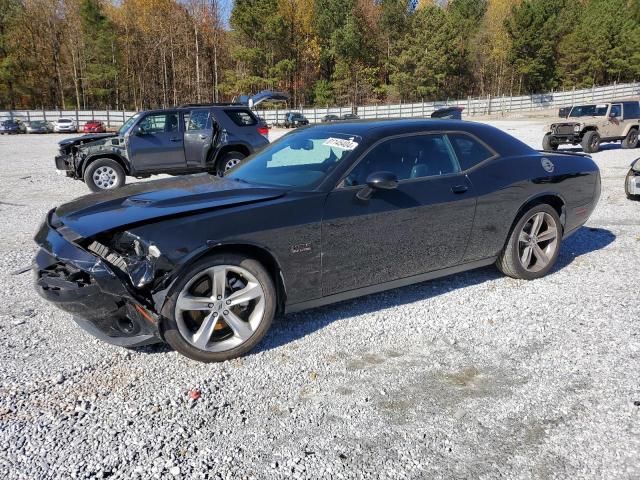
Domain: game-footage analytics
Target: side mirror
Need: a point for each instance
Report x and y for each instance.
(139, 131)
(378, 181)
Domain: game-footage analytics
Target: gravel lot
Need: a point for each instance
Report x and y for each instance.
(472, 376)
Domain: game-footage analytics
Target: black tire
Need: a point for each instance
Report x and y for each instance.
(227, 161)
(591, 142)
(549, 143)
(171, 330)
(631, 140)
(96, 185)
(630, 174)
(509, 261)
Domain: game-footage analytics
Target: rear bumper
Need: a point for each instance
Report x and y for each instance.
(81, 284)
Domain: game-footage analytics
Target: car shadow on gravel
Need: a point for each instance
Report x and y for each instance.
(603, 148)
(288, 328)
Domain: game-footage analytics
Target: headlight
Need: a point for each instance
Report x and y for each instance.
(577, 128)
(131, 255)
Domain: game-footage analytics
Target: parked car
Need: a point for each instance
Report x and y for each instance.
(64, 125)
(39, 126)
(94, 126)
(590, 125)
(452, 113)
(295, 119)
(324, 214)
(632, 181)
(12, 127)
(188, 139)
(330, 118)
(563, 112)
(350, 116)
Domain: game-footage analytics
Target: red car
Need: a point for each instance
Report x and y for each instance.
(94, 126)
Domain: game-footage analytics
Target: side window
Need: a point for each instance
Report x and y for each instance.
(632, 110)
(616, 110)
(242, 118)
(469, 151)
(159, 123)
(407, 157)
(196, 120)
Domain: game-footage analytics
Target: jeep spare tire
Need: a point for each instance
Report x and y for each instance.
(104, 174)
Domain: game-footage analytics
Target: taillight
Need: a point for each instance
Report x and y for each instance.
(263, 130)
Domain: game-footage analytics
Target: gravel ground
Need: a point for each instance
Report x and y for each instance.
(471, 376)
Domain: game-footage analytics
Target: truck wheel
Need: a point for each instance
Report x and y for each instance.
(549, 143)
(228, 161)
(104, 174)
(631, 140)
(591, 142)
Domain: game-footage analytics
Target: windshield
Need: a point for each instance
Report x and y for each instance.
(589, 111)
(127, 125)
(8, 123)
(299, 160)
(37, 123)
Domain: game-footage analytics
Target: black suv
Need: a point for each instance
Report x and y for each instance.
(187, 139)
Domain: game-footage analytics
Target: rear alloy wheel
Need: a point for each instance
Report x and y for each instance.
(591, 142)
(220, 309)
(104, 174)
(228, 161)
(534, 244)
(631, 140)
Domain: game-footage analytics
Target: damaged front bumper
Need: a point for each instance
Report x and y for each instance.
(85, 286)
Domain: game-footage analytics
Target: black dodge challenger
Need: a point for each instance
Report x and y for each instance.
(326, 213)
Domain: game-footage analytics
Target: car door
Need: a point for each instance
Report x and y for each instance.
(156, 143)
(420, 226)
(198, 135)
(614, 124)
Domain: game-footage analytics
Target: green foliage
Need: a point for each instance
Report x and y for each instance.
(99, 48)
(602, 47)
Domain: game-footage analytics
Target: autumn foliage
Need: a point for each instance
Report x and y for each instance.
(138, 54)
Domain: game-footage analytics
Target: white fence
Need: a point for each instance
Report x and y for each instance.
(472, 106)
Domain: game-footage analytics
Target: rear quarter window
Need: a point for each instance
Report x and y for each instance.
(242, 118)
(632, 110)
(469, 151)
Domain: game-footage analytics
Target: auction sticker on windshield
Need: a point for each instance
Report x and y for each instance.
(341, 143)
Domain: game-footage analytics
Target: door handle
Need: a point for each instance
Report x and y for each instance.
(176, 139)
(459, 188)
(204, 137)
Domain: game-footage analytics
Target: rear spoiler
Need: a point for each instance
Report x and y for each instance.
(556, 152)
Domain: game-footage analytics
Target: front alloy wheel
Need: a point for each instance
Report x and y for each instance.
(222, 309)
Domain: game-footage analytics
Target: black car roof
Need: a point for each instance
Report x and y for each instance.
(374, 129)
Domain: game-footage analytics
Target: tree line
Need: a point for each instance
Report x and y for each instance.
(139, 54)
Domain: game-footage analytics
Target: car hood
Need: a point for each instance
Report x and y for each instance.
(147, 201)
(92, 137)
